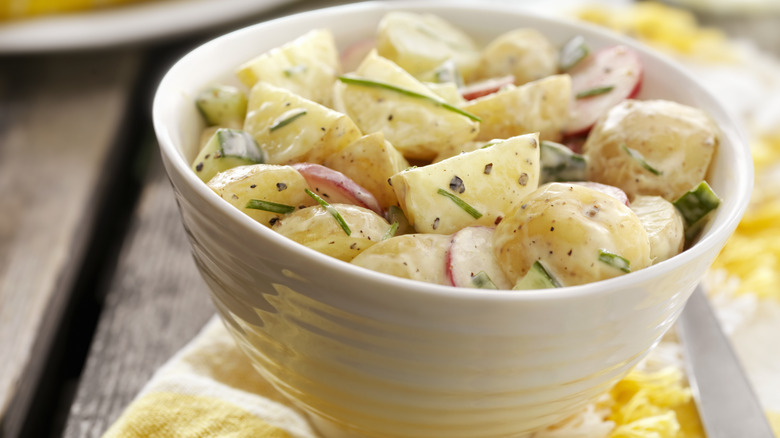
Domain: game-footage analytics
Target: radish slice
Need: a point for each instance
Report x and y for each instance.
(613, 191)
(610, 76)
(337, 188)
(470, 253)
(353, 55)
(488, 86)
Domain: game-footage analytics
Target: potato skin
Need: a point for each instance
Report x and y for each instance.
(370, 161)
(565, 226)
(266, 182)
(677, 140)
(664, 226)
(524, 53)
(316, 228)
(540, 106)
(421, 257)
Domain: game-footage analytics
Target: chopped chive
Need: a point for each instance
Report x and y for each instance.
(273, 207)
(461, 203)
(696, 203)
(635, 154)
(574, 51)
(351, 80)
(594, 92)
(287, 121)
(300, 68)
(482, 281)
(390, 231)
(614, 260)
(332, 210)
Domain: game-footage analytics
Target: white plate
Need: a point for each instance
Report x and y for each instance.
(124, 24)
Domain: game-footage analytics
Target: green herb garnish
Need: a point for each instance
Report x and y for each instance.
(461, 203)
(390, 231)
(594, 92)
(273, 207)
(332, 210)
(290, 71)
(287, 121)
(635, 154)
(614, 260)
(482, 281)
(574, 51)
(351, 80)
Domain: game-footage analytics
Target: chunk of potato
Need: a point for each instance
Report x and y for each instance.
(417, 127)
(291, 129)
(370, 161)
(307, 66)
(524, 53)
(265, 182)
(421, 42)
(571, 230)
(539, 106)
(492, 180)
(664, 226)
(421, 257)
(316, 228)
(651, 147)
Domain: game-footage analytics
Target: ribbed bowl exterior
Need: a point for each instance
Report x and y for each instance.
(368, 355)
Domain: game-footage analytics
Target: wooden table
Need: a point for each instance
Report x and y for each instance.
(97, 285)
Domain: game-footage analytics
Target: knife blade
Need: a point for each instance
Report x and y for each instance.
(727, 403)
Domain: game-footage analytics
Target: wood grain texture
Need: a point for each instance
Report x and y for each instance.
(59, 116)
(156, 303)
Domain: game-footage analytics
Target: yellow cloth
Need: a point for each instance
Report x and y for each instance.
(17, 9)
(210, 389)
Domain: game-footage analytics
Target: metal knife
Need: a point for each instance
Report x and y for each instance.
(727, 404)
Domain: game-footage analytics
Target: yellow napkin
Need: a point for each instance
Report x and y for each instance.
(209, 389)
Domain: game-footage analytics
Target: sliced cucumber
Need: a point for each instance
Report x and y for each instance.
(222, 105)
(537, 278)
(396, 215)
(226, 149)
(482, 281)
(560, 164)
(697, 203)
(694, 206)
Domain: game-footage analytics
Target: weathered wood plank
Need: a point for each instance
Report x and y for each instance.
(156, 302)
(59, 116)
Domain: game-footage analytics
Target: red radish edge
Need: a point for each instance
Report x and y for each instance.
(337, 187)
(486, 87)
(616, 66)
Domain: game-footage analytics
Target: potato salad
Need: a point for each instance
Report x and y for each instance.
(419, 153)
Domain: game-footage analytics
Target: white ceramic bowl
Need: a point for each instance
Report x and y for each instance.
(366, 354)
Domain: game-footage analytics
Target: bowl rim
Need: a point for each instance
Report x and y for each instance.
(716, 235)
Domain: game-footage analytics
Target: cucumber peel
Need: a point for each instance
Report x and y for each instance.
(537, 278)
(559, 163)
